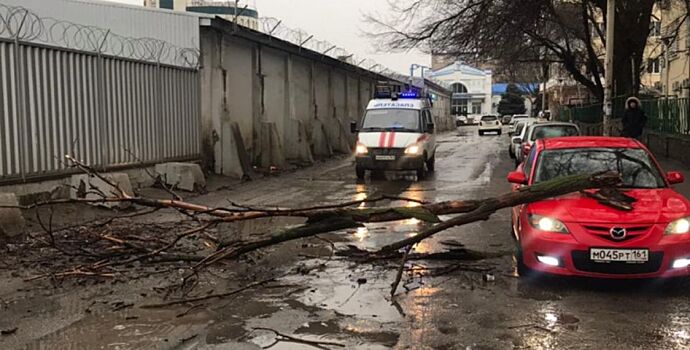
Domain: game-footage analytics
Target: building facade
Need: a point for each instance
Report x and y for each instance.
(245, 14)
(470, 87)
(675, 30)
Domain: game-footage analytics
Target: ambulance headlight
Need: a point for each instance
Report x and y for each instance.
(361, 149)
(412, 150)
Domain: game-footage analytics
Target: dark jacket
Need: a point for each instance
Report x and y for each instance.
(634, 119)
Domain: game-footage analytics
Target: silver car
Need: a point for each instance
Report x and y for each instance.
(542, 130)
(515, 119)
(516, 140)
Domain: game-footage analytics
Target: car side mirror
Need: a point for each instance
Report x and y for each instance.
(353, 127)
(674, 178)
(517, 177)
(517, 140)
(430, 127)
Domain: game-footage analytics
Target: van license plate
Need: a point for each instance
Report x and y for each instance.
(385, 157)
(622, 255)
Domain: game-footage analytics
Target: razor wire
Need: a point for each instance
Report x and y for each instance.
(275, 27)
(21, 24)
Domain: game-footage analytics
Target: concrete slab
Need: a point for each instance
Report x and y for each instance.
(321, 146)
(297, 147)
(29, 193)
(235, 158)
(12, 224)
(184, 176)
(272, 154)
(91, 187)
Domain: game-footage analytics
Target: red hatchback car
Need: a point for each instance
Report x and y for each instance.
(574, 235)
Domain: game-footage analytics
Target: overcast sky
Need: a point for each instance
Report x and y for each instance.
(339, 22)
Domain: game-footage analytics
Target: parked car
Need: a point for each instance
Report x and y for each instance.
(516, 140)
(490, 123)
(543, 130)
(461, 120)
(506, 119)
(575, 235)
(515, 119)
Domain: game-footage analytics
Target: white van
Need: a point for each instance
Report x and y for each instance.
(396, 133)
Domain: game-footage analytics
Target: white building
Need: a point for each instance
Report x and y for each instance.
(245, 14)
(471, 88)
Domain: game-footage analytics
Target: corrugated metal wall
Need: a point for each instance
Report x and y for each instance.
(106, 111)
(133, 31)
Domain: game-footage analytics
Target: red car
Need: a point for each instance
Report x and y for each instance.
(574, 235)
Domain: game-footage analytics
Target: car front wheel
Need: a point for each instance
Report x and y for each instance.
(522, 269)
(431, 164)
(360, 173)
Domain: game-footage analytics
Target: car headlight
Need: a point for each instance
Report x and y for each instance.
(361, 149)
(678, 227)
(412, 150)
(547, 224)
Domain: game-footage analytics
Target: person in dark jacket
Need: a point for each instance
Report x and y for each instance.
(634, 119)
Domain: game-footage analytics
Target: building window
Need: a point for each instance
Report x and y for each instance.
(653, 66)
(476, 108)
(458, 106)
(459, 102)
(655, 28)
(167, 4)
(459, 88)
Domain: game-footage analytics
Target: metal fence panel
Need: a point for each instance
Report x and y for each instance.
(664, 115)
(104, 110)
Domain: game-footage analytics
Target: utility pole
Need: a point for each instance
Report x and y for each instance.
(667, 66)
(608, 90)
(545, 72)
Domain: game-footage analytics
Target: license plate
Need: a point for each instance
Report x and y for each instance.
(620, 255)
(385, 157)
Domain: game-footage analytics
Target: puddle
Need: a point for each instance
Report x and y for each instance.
(337, 289)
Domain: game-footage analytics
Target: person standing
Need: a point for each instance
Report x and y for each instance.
(634, 119)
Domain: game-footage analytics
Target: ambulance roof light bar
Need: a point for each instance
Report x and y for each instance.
(398, 95)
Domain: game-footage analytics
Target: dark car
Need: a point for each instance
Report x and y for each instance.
(506, 119)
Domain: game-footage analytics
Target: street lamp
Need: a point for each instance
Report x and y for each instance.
(414, 67)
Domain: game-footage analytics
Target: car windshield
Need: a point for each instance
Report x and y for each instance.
(635, 165)
(489, 118)
(517, 118)
(518, 128)
(549, 131)
(391, 119)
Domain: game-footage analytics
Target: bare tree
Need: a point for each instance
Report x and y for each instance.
(555, 31)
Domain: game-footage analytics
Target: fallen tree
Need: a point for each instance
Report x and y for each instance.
(318, 220)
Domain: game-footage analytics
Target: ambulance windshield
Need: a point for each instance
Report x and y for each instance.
(391, 119)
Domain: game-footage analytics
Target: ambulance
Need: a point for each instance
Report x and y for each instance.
(396, 133)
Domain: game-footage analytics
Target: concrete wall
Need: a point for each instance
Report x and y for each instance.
(291, 105)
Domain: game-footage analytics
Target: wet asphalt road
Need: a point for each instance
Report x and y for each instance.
(340, 300)
(459, 310)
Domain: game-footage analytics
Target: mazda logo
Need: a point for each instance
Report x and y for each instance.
(618, 233)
